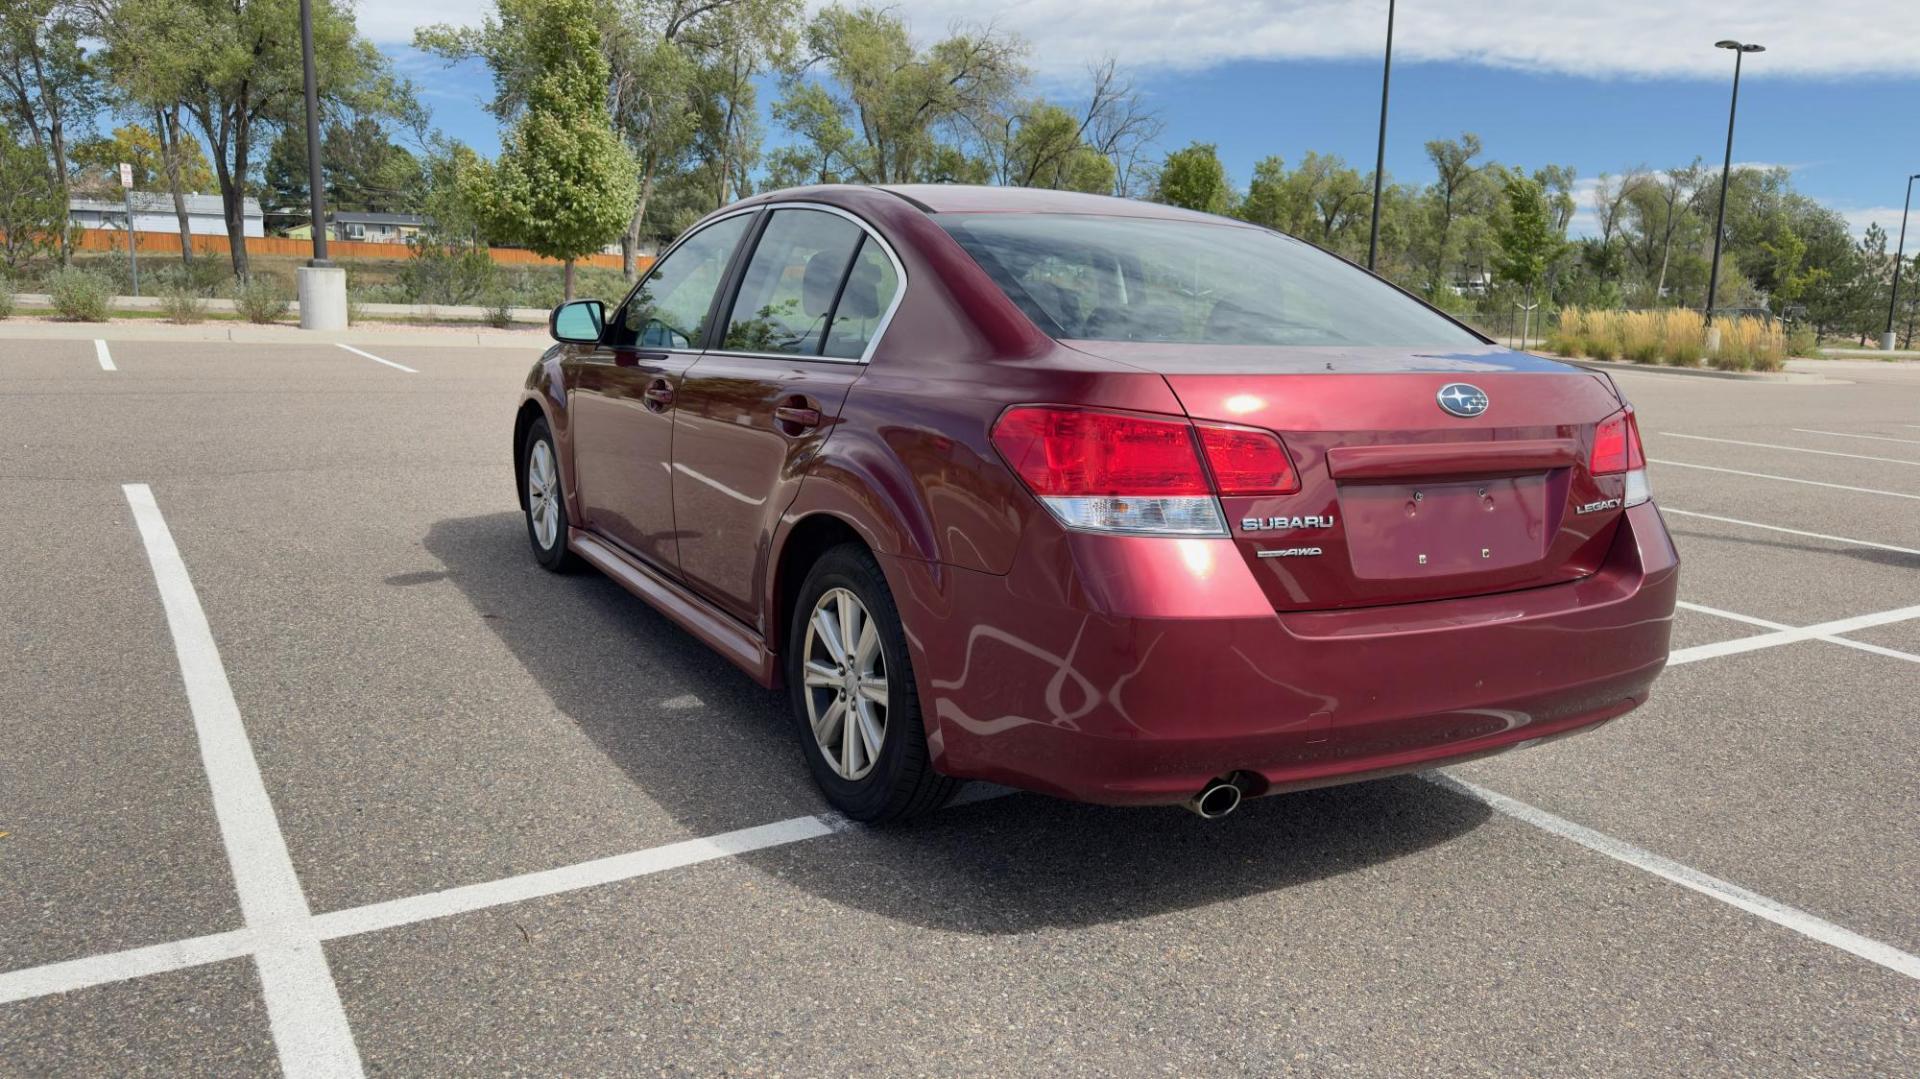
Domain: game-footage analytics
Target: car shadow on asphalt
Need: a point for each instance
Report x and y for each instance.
(700, 740)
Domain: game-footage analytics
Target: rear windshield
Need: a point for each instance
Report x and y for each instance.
(1097, 278)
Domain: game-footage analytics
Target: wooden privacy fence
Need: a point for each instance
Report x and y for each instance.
(168, 243)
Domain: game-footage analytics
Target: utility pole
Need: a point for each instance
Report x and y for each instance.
(1887, 340)
(323, 286)
(1380, 155)
(316, 188)
(1740, 50)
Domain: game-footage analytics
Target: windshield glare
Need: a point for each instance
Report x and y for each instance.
(1087, 277)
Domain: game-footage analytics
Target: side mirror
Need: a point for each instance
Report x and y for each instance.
(578, 323)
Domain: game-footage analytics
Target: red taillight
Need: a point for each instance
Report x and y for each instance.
(1066, 451)
(1247, 461)
(1616, 445)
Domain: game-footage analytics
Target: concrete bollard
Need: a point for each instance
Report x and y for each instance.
(323, 298)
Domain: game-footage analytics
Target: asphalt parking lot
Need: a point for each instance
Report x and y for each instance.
(308, 767)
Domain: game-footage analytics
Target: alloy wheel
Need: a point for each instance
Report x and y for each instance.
(845, 674)
(543, 494)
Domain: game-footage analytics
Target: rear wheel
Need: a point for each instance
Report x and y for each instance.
(854, 702)
(546, 508)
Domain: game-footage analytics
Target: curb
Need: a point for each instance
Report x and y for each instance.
(455, 312)
(527, 341)
(1776, 377)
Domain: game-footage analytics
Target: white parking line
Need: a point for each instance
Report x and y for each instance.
(376, 359)
(1821, 631)
(1764, 623)
(1850, 434)
(1791, 531)
(121, 966)
(493, 893)
(303, 1005)
(1785, 479)
(100, 353)
(1807, 925)
(1794, 449)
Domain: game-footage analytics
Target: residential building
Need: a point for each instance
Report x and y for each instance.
(375, 228)
(153, 212)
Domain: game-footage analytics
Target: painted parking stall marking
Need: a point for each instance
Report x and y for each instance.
(1783, 634)
(1790, 635)
(377, 359)
(1850, 434)
(303, 1004)
(1807, 925)
(1792, 531)
(1793, 449)
(105, 357)
(1784, 479)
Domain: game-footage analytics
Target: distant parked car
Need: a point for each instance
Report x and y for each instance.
(1094, 497)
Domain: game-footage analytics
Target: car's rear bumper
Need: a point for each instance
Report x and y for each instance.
(1135, 671)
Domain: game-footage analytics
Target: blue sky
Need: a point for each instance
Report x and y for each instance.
(1836, 98)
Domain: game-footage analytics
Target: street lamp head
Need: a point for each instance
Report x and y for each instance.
(1741, 46)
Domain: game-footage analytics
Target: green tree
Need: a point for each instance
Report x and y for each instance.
(1041, 144)
(32, 213)
(679, 72)
(887, 110)
(97, 161)
(47, 86)
(1450, 197)
(564, 184)
(363, 168)
(235, 65)
(1528, 241)
(1195, 179)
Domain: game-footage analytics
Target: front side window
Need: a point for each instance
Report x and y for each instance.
(1096, 278)
(669, 309)
(793, 284)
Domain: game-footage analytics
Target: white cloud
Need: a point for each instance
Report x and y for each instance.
(1577, 37)
(1887, 217)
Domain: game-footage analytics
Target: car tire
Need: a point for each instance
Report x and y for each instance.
(898, 781)
(543, 502)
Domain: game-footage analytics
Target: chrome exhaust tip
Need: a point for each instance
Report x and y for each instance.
(1215, 800)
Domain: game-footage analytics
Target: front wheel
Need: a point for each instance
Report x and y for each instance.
(854, 701)
(546, 508)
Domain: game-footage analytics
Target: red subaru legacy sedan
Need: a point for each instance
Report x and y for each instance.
(1094, 497)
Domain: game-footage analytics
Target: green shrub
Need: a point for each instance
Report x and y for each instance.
(183, 304)
(1802, 340)
(498, 313)
(6, 298)
(261, 298)
(446, 273)
(80, 295)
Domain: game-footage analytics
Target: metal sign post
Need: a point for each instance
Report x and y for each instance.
(133, 255)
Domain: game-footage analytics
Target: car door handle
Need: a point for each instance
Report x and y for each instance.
(658, 395)
(796, 418)
(630, 357)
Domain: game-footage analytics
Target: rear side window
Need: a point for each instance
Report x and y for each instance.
(669, 309)
(811, 288)
(863, 303)
(1098, 278)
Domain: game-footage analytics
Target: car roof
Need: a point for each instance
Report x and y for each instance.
(976, 199)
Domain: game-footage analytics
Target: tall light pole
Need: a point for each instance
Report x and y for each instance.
(1380, 155)
(1899, 252)
(1720, 219)
(315, 188)
(322, 285)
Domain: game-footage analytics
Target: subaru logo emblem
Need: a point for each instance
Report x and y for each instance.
(1460, 399)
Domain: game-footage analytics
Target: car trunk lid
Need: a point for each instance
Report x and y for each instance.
(1400, 500)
